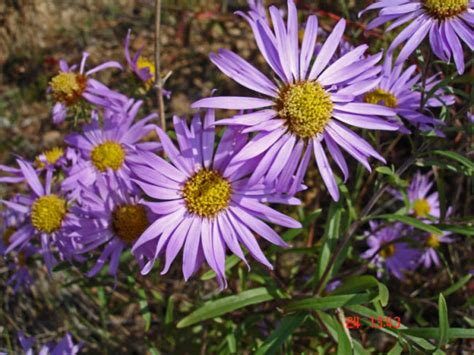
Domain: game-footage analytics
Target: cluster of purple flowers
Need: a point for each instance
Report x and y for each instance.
(113, 188)
(402, 248)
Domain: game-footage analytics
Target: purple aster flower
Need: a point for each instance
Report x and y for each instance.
(432, 243)
(257, 8)
(141, 66)
(70, 86)
(21, 276)
(108, 147)
(110, 215)
(397, 90)
(422, 202)
(385, 250)
(53, 158)
(447, 22)
(308, 104)
(11, 221)
(206, 204)
(65, 346)
(47, 217)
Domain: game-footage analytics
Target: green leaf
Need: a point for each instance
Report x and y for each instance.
(276, 339)
(343, 340)
(457, 285)
(396, 350)
(329, 240)
(393, 178)
(225, 305)
(311, 217)
(169, 315)
(356, 284)
(145, 313)
(231, 343)
(456, 157)
(411, 221)
(443, 320)
(317, 303)
(458, 229)
(291, 234)
(369, 313)
(433, 333)
(144, 308)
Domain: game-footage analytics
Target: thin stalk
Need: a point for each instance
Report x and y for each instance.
(158, 81)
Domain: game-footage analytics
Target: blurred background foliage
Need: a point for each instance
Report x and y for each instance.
(153, 314)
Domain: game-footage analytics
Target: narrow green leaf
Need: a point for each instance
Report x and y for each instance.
(330, 301)
(443, 320)
(231, 343)
(276, 339)
(144, 308)
(169, 315)
(291, 234)
(331, 235)
(396, 350)
(369, 313)
(457, 285)
(411, 221)
(343, 341)
(145, 313)
(459, 229)
(456, 157)
(311, 217)
(384, 294)
(433, 333)
(225, 305)
(356, 284)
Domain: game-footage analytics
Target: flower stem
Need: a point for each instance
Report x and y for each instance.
(158, 81)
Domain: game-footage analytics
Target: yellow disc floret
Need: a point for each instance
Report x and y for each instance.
(387, 251)
(421, 208)
(379, 96)
(306, 107)
(48, 212)
(51, 156)
(109, 154)
(206, 193)
(443, 9)
(68, 87)
(129, 222)
(432, 241)
(143, 63)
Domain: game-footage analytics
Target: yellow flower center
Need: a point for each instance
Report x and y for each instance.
(68, 87)
(387, 251)
(48, 212)
(129, 222)
(306, 107)
(51, 156)
(143, 63)
(433, 241)
(379, 96)
(443, 9)
(7, 234)
(108, 155)
(421, 207)
(206, 193)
